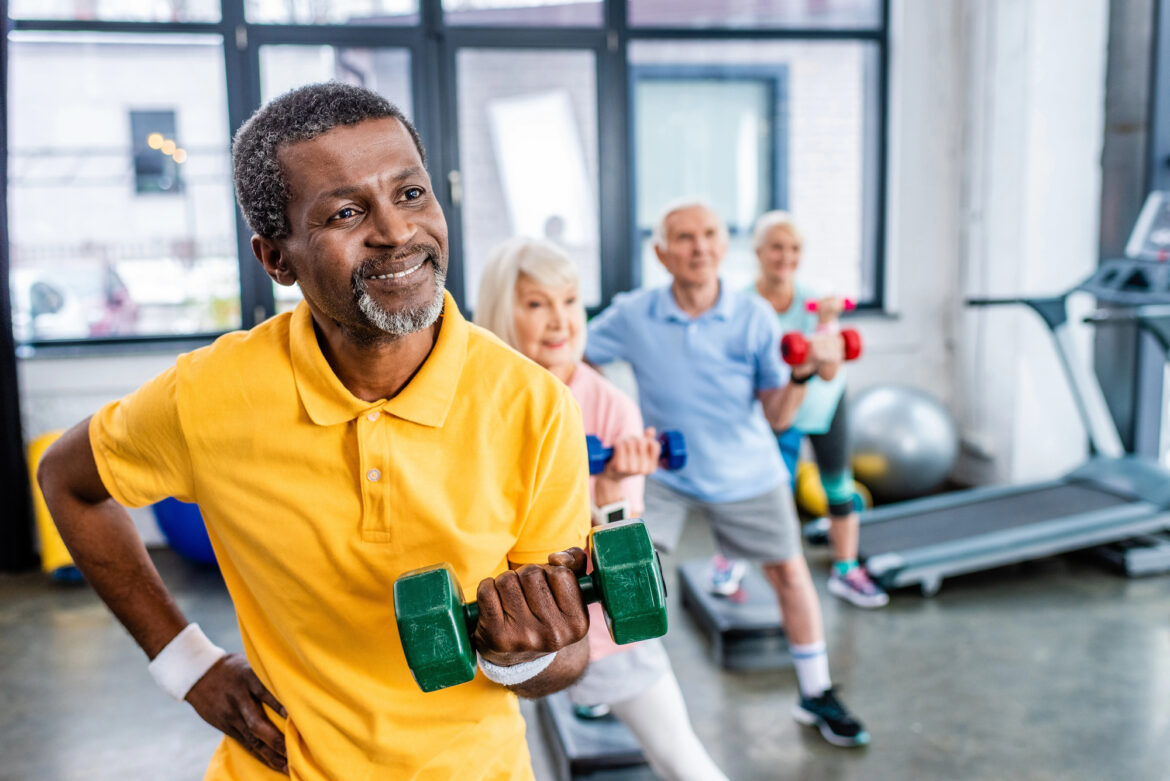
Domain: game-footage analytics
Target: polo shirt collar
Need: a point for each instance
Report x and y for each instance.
(666, 308)
(425, 399)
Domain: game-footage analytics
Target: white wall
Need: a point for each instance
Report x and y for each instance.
(995, 137)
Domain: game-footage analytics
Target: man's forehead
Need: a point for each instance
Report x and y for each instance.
(348, 155)
(381, 133)
(692, 217)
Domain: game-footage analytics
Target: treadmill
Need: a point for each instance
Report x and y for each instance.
(1113, 497)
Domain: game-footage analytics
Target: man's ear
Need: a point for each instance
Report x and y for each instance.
(657, 251)
(272, 259)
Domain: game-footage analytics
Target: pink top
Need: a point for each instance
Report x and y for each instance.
(608, 414)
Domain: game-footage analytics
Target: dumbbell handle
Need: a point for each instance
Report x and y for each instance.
(589, 594)
(847, 303)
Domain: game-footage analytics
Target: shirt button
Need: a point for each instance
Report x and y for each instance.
(372, 417)
(373, 475)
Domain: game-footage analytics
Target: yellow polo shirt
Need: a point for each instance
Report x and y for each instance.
(315, 501)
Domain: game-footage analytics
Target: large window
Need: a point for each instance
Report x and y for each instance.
(121, 219)
(575, 120)
(751, 126)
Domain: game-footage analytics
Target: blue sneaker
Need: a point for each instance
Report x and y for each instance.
(829, 715)
(726, 575)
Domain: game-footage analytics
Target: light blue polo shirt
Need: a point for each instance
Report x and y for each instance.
(822, 397)
(700, 375)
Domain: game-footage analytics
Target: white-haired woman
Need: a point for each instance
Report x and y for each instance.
(778, 244)
(528, 296)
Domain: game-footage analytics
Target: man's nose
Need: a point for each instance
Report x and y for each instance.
(390, 227)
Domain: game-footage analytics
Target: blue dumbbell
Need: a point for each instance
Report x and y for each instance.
(674, 452)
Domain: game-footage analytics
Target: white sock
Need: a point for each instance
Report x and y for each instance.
(812, 668)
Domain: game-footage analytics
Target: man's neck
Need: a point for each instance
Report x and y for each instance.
(694, 300)
(777, 292)
(378, 370)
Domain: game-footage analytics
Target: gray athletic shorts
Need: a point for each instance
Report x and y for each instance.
(762, 528)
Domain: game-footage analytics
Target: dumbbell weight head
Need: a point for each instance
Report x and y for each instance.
(627, 577)
(599, 454)
(852, 340)
(435, 627)
(674, 450)
(794, 348)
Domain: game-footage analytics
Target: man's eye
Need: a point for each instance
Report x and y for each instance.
(345, 214)
(413, 193)
(571, 301)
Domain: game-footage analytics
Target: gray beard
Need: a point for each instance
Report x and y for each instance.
(404, 321)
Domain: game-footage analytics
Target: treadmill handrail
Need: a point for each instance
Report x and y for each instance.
(1084, 385)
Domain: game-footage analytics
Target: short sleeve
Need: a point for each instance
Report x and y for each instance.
(139, 446)
(558, 515)
(771, 371)
(606, 338)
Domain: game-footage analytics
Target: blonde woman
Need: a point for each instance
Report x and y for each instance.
(778, 244)
(528, 296)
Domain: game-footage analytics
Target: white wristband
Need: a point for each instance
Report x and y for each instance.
(186, 659)
(514, 674)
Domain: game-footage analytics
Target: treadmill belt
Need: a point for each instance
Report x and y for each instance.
(970, 519)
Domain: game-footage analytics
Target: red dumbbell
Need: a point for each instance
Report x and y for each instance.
(794, 346)
(846, 303)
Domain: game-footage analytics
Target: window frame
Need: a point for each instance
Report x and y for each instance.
(433, 46)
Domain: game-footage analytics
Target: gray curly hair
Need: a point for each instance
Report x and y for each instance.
(297, 115)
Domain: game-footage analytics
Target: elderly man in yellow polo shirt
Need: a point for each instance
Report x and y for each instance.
(370, 432)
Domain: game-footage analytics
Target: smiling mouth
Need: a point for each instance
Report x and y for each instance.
(401, 274)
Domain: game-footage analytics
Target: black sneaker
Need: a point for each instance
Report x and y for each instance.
(829, 715)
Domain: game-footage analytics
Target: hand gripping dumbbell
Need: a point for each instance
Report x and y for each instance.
(794, 346)
(673, 455)
(436, 626)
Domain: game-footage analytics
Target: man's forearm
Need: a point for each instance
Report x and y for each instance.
(108, 551)
(105, 545)
(569, 665)
(780, 405)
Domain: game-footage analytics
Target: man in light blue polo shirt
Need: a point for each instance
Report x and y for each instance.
(707, 362)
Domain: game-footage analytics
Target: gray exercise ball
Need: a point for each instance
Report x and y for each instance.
(902, 441)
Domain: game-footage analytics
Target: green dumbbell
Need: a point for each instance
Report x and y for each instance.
(435, 625)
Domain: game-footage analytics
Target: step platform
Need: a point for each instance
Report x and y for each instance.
(590, 749)
(744, 631)
(1148, 554)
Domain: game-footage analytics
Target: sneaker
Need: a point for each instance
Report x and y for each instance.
(726, 575)
(829, 715)
(590, 712)
(856, 586)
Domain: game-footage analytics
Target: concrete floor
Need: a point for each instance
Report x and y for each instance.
(1055, 669)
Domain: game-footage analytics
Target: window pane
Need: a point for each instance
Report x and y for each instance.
(831, 14)
(117, 10)
(537, 13)
(384, 70)
(104, 240)
(750, 126)
(332, 11)
(528, 156)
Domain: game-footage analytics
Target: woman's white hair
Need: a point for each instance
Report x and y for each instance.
(682, 204)
(768, 222)
(543, 261)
